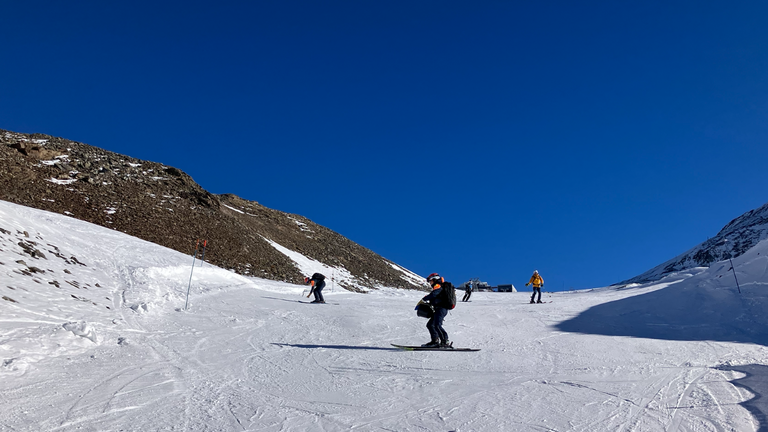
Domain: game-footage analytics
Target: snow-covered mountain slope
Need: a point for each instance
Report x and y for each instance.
(714, 303)
(740, 235)
(93, 338)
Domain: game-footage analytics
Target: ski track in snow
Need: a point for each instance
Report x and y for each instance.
(247, 356)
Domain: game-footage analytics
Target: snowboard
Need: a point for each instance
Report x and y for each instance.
(420, 348)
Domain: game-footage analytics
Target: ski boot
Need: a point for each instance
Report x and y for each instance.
(539, 301)
(431, 344)
(532, 302)
(446, 344)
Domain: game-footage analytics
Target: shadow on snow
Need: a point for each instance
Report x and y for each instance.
(691, 313)
(681, 313)
(285, 299)
(342, 347)
(756, 381)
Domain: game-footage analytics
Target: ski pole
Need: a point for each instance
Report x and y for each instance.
(194, 256)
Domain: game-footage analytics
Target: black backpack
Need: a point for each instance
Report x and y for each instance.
(447, 295)
(318, 277)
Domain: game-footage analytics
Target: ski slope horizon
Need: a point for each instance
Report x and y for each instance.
(93, 336)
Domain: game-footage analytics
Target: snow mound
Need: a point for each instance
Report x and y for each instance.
(82, 329)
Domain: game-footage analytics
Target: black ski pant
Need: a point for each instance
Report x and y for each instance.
(536, 290)
(318, 291)
(435, 325)
(467, 295)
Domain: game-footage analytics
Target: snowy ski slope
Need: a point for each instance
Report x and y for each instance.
(94, 338)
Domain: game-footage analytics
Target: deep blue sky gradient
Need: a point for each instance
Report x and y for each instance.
(588, 140)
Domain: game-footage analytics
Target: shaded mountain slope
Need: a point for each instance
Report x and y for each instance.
(736, 238)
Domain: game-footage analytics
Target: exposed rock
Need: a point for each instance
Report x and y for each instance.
(164, 205)
(34, 150)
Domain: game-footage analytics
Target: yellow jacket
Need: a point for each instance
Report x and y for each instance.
(536, 280)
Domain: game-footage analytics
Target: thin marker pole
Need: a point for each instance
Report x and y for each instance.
(202, 260)
(723, 242)
(734, 276)
(186, 303)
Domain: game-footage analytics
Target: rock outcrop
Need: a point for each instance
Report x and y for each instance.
(164, 205)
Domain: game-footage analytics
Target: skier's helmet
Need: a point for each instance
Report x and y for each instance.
(434, 278)
(306, 279)
(535, 272)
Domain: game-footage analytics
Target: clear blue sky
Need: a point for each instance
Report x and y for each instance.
(588, 140)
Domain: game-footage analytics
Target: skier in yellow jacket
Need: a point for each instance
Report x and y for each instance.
(538, 283)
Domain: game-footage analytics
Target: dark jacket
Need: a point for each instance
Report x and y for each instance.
(435, 299)
(317, 284)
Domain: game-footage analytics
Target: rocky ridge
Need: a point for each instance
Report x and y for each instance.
(737, 237)
(164, 205)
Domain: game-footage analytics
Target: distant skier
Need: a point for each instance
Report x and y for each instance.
(467, 292)
(438, 302)
(317, 281)
(538, 283)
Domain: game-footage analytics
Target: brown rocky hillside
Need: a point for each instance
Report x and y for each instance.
(163, 205)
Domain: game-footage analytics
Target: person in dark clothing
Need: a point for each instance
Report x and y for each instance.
(317, 281)
(467, 292)
(435, 324)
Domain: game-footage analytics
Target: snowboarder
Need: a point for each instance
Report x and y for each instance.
(435, 324)
(467, 292)
(317, 281)
(538, 283)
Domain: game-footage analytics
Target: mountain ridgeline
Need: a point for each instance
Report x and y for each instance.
(163, 205)
(737, 237)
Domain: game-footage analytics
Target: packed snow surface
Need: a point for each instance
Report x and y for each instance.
(94, 337)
